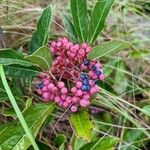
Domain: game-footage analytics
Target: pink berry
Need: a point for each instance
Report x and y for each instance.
(84, 45)
(51, 97)
(83, 103)
(63, 97)
(101, 77)
(78, 84)
(73, 90)
(79, 93)
(65, 104)
(39, 91)
(74, 99)
(50, 85)
(88, 49)
(60, 84)
(44, 89)
(64, 90)
(68, 99)
(74, 108)
(46, 82)
(57, 99)
(54, 89)
(46, 95)
(86, 97)
(93, 90)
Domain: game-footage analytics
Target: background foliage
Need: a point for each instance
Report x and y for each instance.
(119, 114)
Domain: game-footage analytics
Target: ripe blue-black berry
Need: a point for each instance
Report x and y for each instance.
(98, 72)
(41, 85)
(94, 67)
(86, 62)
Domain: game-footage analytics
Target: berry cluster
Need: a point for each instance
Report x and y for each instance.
(74, 76)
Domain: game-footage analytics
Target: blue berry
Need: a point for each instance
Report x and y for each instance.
(85, 81)
(87, 88)
(86, 62)
(84, 88)
(95, 81)
(83, 76)
(98, 72)
(94, 67)
(41, 85)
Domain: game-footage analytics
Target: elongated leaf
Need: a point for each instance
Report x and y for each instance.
(40, 36)
(80, 19)
(70, 29)
(41, 58)
(107, 48)
(105, 143)
(20, 71)
(9, 57)
(82, 124)
(98, 17)
(16, 139)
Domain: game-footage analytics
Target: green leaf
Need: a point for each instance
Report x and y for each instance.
(105, 143)
(107, 69)
(20, 71)
(70, 29)
(41, 145)
(107, 49)
(16, 138)
(9, 112)
(80, 18)
(60, 141)
(9, 57)
(139, 53)
(41, 58)
(98, 17)
(132, 136)
(40, 36)
(82, 124)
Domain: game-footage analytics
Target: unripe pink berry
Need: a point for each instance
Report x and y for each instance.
(46, 82)
(52, 96)
(64, 90)
(39, 91)
(93, 90)
(74, 99)
(65, 104)
(91, 82)
(58, 44)
(44, 89)
(46, 95)
(54, 89)
(52, 49)
(88, 49)
(73, 90)
(83, 66)
(60, 84)
(74, 108)
(83, 103)
(50, 85)
(68, 99)
(63, 97)
(57, 99)
(78, 84)
(79, 93)
(84, 45)
(86, 97)
(101, 77)
(53, 44)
